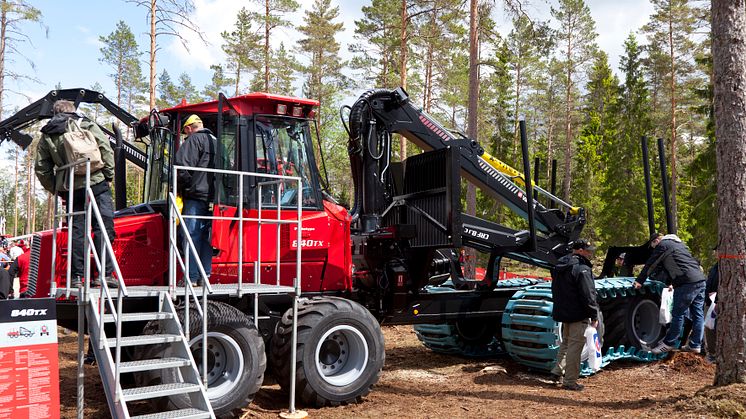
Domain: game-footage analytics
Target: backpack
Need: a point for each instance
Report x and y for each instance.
(79, 144)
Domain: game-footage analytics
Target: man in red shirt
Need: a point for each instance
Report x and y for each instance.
(19, 268)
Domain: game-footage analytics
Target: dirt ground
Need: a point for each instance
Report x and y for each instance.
(417, 383)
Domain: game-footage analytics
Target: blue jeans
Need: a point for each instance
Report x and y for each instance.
(199, 231)
(687, 297)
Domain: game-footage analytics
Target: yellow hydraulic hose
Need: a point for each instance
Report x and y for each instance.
(514, 175)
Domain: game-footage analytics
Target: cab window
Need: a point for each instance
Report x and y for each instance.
(282, 149)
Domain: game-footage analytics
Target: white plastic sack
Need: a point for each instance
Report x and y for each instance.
(666, 305)
(711, 316)
(593, 348)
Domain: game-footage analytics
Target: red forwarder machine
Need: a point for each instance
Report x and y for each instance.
(374, 263)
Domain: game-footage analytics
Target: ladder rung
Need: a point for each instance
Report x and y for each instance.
(172, 414)
(143, 340)
(138, 317)
(160, 390)
(152, 364)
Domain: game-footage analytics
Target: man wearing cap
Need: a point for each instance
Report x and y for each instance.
(672, 263)
(574, 296)
(197, 190)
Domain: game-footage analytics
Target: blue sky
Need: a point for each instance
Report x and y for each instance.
(70, 53)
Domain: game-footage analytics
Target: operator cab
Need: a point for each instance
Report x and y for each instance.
(257, 132)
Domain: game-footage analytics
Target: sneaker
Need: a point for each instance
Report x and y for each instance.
(573, 387)
(95, 283)
(111, 282)
(687, 348)
(662, 348)
(555, 379)
(89, 359)
(75, 282)
(710, 359)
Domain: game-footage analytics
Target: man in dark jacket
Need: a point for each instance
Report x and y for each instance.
(672, 263)
(197, 191)
(574, 296)
(50, 154)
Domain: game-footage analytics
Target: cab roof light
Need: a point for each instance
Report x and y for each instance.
(282, 109)
(297, 111)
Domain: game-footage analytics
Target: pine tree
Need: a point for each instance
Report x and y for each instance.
(377, 52)
(273, 19)
(119, 50)
(598, 131)
(13, 14)
(169, 93)
(167, 18)
(281, 77)
(670, 29)
(323, 75)
(622, 190)
(241, 47)
(576, 39)
(729, 78)
(219, 83)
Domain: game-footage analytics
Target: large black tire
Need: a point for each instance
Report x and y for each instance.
(633, 322)
(236, 360)
(340, 352)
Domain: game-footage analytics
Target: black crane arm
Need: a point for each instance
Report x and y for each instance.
(11, 128)
(380, 113)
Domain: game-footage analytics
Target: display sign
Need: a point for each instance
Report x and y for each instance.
(29, 368)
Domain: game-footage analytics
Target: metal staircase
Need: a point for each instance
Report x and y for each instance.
(117, 396)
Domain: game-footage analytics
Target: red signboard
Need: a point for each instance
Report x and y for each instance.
(29, 370)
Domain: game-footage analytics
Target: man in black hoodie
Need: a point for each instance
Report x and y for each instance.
(197, 190)
(574, 296)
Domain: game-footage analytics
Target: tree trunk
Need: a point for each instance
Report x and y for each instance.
(238, 76)
(729, 70)
(15, 196)
(3, 29)
(152, 53)
(567, 164)
(674, 174)
(516, 133)
(403, 68)
(266, 46)
(27, 228)
(471, 124)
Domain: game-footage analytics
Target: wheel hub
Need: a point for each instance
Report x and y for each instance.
(225, 362)
(341, 355)
(645, 325)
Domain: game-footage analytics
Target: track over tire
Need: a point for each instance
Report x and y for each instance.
(340, 351)
(635, 321)
(530, 335)
(232, 338)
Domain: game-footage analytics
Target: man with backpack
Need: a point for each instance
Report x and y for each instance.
(66, 138)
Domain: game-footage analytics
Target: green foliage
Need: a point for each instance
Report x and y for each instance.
(377, 49)
(119, 50)
(171, 94)
(242, 47)
(220, 83)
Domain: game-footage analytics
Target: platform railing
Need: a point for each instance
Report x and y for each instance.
(92, 214)
(275, 180)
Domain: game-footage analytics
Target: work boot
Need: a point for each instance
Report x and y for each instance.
(573, 387)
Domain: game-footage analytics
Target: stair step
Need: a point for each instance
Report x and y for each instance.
(160, 390)
(182, 413)
(152, 364)
(143, 340)
(139, 317)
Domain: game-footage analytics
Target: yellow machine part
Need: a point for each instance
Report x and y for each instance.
(514, 175)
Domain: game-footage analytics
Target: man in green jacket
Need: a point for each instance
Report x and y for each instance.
(50, 154)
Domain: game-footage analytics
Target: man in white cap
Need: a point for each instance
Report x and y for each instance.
(197, 189)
